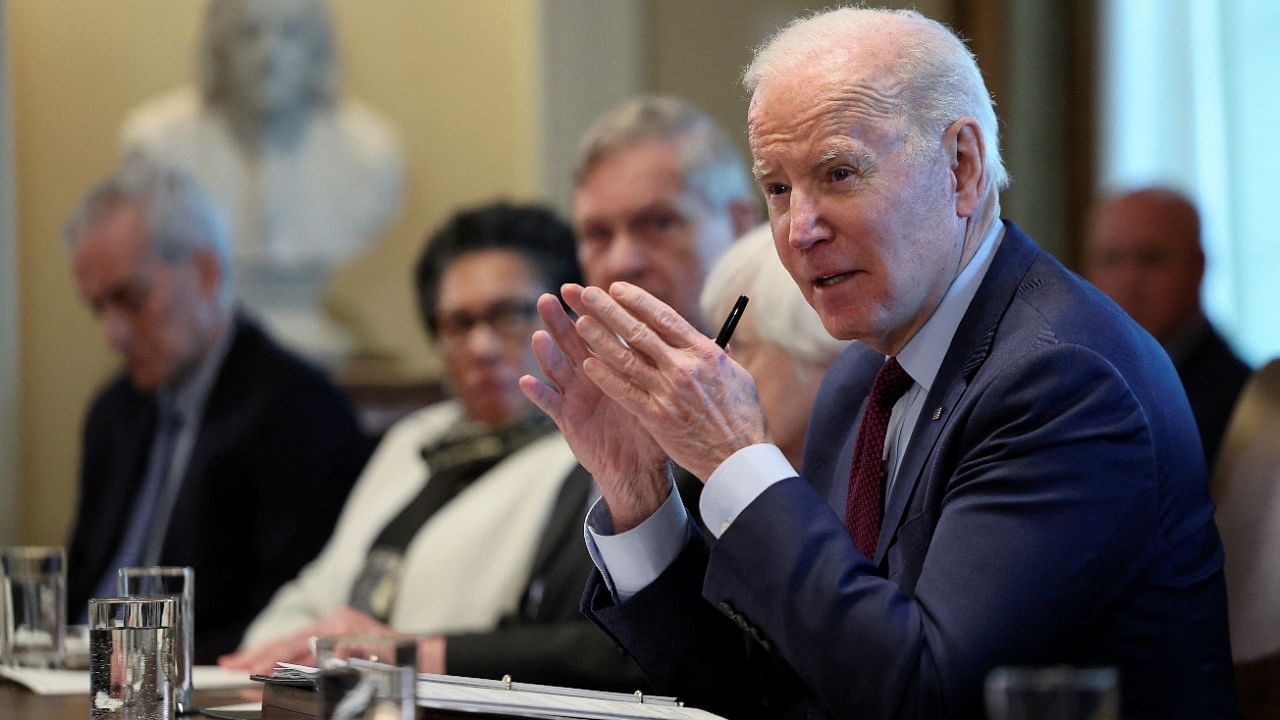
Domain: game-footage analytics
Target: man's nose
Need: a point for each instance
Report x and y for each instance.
(116, 328)
(806, 227)
(626, 258)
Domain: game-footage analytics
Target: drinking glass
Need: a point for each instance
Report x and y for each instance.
(370, 677)
(1053, 693)
(132, 665)
(178, 583)
(33, 609)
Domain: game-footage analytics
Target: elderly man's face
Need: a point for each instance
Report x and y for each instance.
(157, 315)
(636, 221)
(270, 51)
(868, 230)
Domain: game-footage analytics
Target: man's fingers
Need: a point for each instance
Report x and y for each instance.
(633, 398)
(620, 357)
(659, 317)
(547, 400)
(556, 368)
(560, 326)
(599, 307)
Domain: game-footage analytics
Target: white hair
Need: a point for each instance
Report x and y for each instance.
(180, 218)
(779, 311)
(940, 76)
(712, 166)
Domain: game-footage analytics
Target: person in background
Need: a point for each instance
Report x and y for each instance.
(1003, 471)
(215, 448)
(1142, 248)
(1245, 484)
(780, 340)
(454, 530)
(659, 193)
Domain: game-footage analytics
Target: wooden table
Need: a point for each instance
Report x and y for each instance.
(19, 703)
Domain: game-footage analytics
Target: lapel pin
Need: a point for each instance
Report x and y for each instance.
(937, 414)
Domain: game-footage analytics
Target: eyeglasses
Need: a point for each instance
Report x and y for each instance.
(509, 318)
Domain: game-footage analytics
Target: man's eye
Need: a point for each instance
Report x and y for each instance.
(776, 189)
(662, 222)
(841, 174)
(595, 235)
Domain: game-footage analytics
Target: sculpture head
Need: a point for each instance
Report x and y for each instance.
(268, 57)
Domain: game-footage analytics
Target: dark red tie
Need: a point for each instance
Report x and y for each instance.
(866, 477)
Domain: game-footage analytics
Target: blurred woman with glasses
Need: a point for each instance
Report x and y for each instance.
(440, 534)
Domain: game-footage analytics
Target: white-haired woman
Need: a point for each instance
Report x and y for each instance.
(780, 339)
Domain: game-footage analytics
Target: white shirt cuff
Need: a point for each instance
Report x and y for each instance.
(739, 480)
(629, 561)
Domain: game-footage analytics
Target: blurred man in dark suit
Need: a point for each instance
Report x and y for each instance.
(214, 448)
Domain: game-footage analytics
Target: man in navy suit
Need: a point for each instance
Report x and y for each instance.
(215, 448)
(1004, 472)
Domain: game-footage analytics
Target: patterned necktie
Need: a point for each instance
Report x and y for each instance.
(866, 477)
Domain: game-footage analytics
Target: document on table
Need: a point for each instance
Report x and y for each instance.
(76, 682)
(502, 697)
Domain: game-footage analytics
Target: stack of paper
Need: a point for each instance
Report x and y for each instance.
(76, 682)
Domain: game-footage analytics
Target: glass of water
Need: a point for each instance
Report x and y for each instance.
(366, 677)
(33, 606)
(1053, 693)
(178, 583)
(132, 663)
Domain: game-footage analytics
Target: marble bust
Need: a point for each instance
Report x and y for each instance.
(306, 178)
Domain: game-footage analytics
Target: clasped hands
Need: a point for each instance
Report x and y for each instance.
(630, 383)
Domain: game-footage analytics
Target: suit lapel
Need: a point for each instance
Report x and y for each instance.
(968, 350)
(217, 423)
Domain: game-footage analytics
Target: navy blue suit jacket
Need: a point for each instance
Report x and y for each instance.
(1051, 508)
(277, 452)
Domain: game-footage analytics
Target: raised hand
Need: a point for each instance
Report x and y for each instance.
(697, 403)
(629, 467)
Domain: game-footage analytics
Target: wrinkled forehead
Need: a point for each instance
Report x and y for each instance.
(859, 80)
(785, 111)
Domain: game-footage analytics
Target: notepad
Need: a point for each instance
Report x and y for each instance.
(452, 693)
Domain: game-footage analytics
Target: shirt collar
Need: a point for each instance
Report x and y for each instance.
(925, 351)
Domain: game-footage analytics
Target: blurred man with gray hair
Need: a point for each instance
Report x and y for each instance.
(214, 448)
(659, 193)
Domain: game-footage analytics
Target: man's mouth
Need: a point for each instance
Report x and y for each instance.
(829, 280)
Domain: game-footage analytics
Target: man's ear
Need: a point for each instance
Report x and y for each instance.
(966, 150)
(208, 272)
(745, 215)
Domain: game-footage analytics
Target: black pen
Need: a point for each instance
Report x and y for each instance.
(731, 322)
